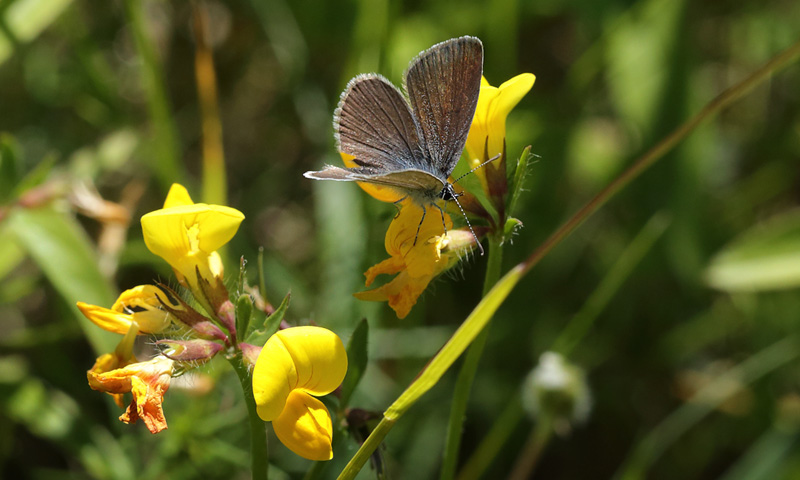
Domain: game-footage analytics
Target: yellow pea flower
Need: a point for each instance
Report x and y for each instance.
(147, 381)
(487, 134)
(139, 305)
(293, 365)
(488, 129)
(187, 235)
(415, 264)
(416, 257)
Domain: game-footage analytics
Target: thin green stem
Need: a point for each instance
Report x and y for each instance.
(466, 376)
(532, 451)
(582, 322)
(493, 442)
(650, 157)
(705, 401)
(489, 304)
(259, 454)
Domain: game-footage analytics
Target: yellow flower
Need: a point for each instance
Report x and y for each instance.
(494, 105)
(415, 256)
(295, 364)
(139, 305)
(187, 235)
(147, 381)
(415, 263)
(487, 134)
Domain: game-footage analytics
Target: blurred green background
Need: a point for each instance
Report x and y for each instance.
(99, 100)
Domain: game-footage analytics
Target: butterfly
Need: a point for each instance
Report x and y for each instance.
(410, 144)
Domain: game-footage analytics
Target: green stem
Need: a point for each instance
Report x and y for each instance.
(259, 454)
(466, 376)
(582, 322)
(532, 451)
(650, 157)
(704, 402)
(494, 441)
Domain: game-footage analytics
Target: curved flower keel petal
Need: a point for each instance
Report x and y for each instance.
(305, 427)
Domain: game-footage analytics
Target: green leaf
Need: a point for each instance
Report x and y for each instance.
(766, 257)
(271, 323)
(36, 176)
(63, 252)
(244, 310)
(26, 19)
(11, 254)
(10, 169)
(356, 360)
(519, 179)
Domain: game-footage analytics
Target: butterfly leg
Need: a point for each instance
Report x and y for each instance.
(424, 212)
(443, 221)
(396, 203)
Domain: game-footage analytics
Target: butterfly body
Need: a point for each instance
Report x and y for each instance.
(411, 143)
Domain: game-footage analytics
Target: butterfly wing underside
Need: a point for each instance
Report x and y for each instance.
(443, 84)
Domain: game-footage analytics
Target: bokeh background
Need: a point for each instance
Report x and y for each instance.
(686, 280)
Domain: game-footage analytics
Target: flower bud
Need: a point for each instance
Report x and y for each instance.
(250, 353)
(558, 391)
(196, 350)
(227, 315)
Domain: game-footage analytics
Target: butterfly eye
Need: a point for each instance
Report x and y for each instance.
(448, 194)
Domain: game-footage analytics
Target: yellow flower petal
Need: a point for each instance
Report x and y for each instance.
(190, 229)
(311, 359)
(489, 124)
(416, 258)
(138, 305)
(384, 194)
(177, 196)
(401, 293)
(305, 427)
(148, 381)
(187, 236)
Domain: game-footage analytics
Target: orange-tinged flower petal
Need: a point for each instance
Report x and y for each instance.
(382, 193)
(305, 427)
(401, 293)
(147, 381)
(106, 363)
(311, 359)
(146, 404)
(389, 266)
(416, 257)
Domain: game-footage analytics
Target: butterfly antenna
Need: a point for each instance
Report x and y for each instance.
(478, 167)
(455, 199)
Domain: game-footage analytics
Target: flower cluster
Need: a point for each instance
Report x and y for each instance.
(293, 364)
(418, 252)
